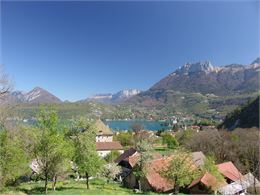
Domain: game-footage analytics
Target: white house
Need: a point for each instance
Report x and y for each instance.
(104, 140)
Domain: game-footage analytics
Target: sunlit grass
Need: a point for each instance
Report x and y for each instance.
(69, 187)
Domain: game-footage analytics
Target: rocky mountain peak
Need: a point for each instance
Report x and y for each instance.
(37, 95)
(126, 93)
(34, 94)
(256, 61)
(110, 98)
(202, 66)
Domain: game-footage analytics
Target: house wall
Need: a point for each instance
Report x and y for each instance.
(104, 138)
(103, 153)
(200, 189)
(130, 181)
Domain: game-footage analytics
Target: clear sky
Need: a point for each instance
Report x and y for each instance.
(77, 49)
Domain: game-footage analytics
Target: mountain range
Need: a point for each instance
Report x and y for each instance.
(204, 79)
(39, 95)
(116, 98)
(198, 88)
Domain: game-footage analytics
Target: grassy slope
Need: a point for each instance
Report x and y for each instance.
(97, 187)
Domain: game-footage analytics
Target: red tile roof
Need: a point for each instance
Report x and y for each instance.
(159, 183)
(125, 155)
(229, 170)
(132, 160)
(131, 156)
(156, 181)
(208, 180)
(115, 145)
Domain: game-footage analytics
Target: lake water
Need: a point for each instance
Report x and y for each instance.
(126, 125)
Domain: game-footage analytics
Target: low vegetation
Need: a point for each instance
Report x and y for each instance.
(68, 187)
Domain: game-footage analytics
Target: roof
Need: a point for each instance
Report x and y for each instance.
(198, 158)
(156, 181)
(125, 155)
(232, 188)
(249, 177)
(102, 129)
(245, 182)
(115, 145)
(131, 156)
(229, 170)
(208, 180)
(132, 160)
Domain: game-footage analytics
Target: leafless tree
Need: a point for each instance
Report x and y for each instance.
(5, 83)
(5, 88)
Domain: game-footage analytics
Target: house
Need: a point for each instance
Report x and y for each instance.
(234, 184)
(104, 134)
(206, 184)
(104, 148)
(104, 140)
(127, 159)
(240, 186)
(130, 157)
(229, 171)
(153, 181)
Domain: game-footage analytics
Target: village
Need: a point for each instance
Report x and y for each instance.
(129, 97)
(233, 182)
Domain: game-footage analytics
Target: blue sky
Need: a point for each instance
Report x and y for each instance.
(77, 49)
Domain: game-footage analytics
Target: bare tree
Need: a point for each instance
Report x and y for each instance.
(5, 84)
(5, 88)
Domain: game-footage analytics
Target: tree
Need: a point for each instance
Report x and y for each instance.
(241, 146)
(52, 150)
(171, 141)
(180, 171)
(86, 157)
(5, 84)
(13, 158)
(210, 167)
(125, 138)
(136, 128)
(144, 149)
(110, 171)
(112, 156)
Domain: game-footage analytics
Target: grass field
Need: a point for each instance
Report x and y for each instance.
(97, 187)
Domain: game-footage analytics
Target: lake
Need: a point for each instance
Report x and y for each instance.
(117, 125)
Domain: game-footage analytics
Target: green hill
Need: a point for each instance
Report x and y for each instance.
(245, 116)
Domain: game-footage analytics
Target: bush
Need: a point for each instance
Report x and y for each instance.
(112, 156)
(171, 141)
(125, 138)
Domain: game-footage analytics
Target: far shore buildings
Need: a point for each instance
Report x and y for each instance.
(104, 140)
